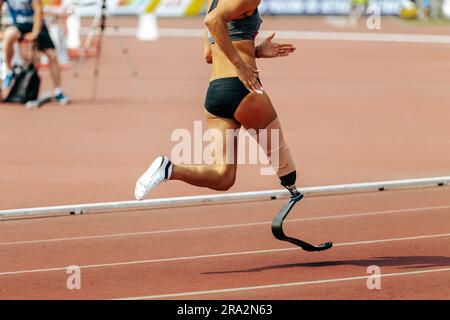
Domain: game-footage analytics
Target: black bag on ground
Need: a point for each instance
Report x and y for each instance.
(26, 86)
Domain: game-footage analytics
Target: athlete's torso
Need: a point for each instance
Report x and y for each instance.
(242, 32)
(21, 11)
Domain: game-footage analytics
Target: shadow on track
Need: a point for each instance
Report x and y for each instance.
(414, 262)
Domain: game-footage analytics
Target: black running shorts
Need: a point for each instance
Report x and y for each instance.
(224, 96)
(43, 40)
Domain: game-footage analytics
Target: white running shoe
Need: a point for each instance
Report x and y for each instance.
(160, 170)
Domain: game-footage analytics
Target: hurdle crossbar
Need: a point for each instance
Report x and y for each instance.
(229, 197)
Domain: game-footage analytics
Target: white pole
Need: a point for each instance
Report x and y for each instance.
(231, 197)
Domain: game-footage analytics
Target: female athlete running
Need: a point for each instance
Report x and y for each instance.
(235, 98)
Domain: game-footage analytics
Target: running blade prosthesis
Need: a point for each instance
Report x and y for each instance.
(277, 228)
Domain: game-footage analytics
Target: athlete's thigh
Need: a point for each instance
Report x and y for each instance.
(255, 111)
(223, 134)
(11, 34)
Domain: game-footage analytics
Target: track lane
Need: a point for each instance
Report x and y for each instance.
(230, 272)
(202, 242)
(402, 285)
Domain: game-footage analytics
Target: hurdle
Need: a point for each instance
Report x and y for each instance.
(214, 199)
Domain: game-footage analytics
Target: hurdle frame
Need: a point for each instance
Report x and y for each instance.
(224, 198)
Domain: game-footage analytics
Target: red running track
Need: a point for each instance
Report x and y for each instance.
(228, 252)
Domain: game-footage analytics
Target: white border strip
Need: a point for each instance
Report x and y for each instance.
(230, 197)
(280, 285)
(294, 35)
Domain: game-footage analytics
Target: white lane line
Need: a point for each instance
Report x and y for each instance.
(227, 226)
(361, 36)
(229, 254)
(281, 285)
(296, 35)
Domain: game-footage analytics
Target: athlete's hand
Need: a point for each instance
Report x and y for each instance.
(31, 36)
(269, 49)
(249, 77)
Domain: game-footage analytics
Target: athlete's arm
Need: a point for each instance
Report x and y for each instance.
(37, 20)
(216, 21)
(207, 48)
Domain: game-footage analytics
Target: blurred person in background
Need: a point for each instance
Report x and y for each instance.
(29, 29)
(424, 9)
(357, 9)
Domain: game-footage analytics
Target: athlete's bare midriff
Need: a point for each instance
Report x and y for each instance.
(221, 65)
